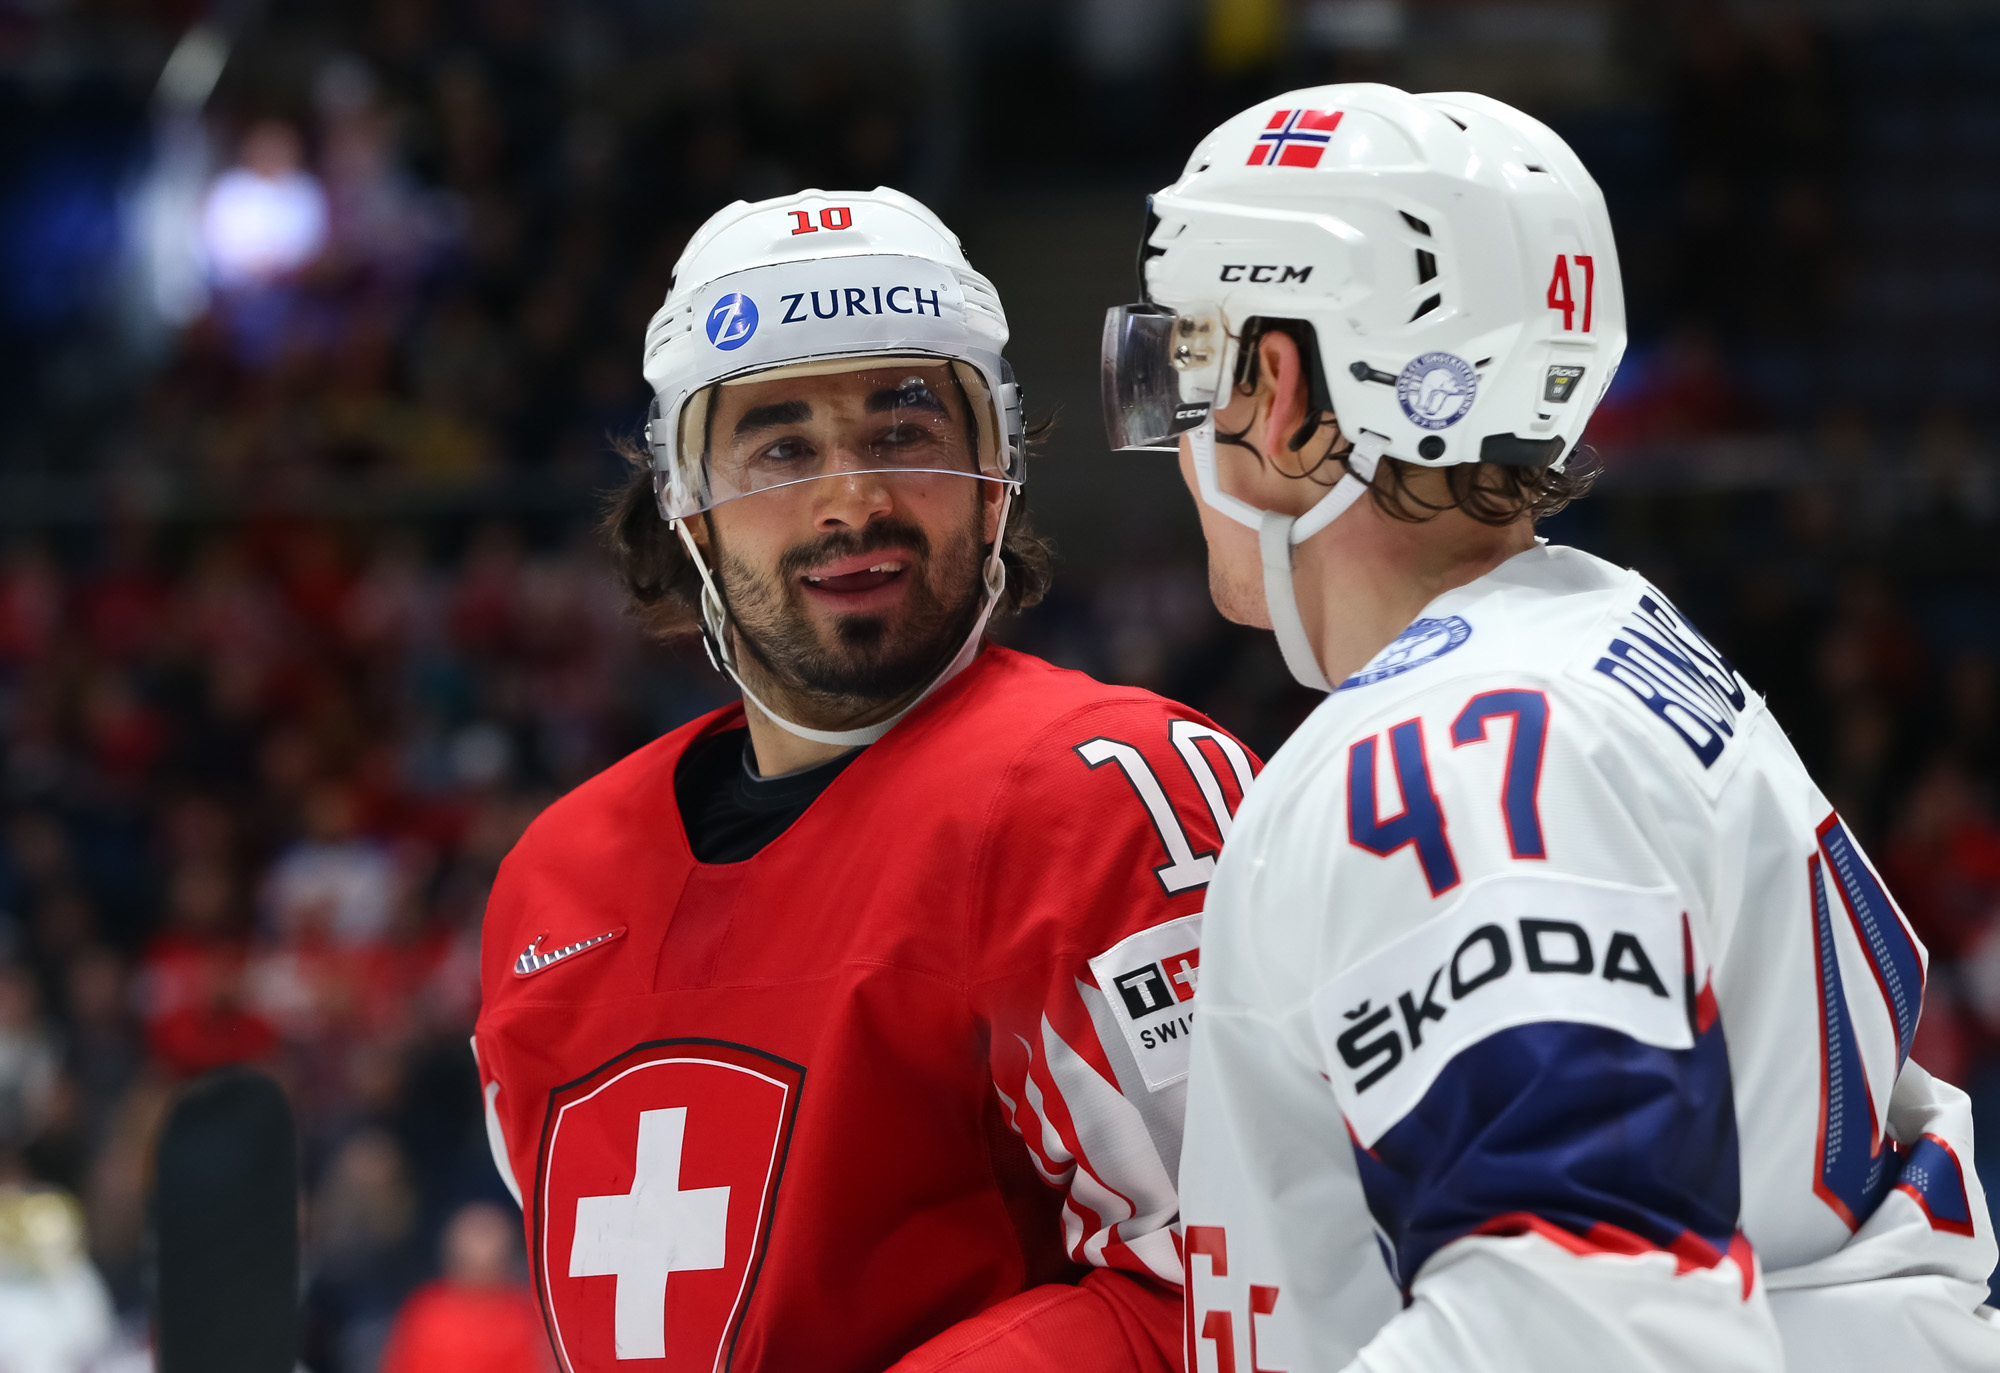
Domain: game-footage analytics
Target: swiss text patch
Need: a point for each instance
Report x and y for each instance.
(1149, 979)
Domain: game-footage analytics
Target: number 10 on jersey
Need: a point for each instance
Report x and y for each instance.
(1184, 869)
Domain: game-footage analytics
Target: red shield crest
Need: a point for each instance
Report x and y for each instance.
(653, 1203)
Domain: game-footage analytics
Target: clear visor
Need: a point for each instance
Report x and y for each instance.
(1159, 372)
(907, 417)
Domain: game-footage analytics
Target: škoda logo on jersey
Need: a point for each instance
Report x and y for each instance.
(1515, 951)
(1148, 981)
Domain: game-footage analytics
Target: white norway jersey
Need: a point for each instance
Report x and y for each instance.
(1552, 1020)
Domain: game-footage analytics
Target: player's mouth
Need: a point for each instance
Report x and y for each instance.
(866, 581)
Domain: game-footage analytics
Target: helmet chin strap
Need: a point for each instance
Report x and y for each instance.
(1278, 535)
(722, 652)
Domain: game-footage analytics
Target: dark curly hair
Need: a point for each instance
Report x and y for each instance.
(663, 590)
(1491, 493)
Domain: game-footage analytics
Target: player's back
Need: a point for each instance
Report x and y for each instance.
(1551, 791)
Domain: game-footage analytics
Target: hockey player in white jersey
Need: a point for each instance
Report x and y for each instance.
(1551, 1018)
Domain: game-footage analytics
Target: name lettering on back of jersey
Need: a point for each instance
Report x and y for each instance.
(1678, 675)
(1515, 951)
(1148, 980)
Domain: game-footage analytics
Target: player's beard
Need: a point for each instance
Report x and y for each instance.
(857, 663)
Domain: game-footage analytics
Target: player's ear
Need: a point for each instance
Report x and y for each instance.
(990, 494)
(1282, 370)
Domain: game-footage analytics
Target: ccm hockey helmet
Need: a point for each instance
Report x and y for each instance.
(1453, 260)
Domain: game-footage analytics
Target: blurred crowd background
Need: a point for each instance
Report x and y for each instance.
(317, 320)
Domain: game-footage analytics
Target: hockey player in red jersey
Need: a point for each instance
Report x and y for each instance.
(846, 1027)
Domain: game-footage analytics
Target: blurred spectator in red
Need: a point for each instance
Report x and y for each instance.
(1943, 861)
(480, 1316)
(334, 885)
(31, 603)
(193, 977)
(121, 608)
(1681, 390)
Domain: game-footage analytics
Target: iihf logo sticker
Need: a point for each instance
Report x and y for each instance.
(1424, 640)
(731, 321)
(1436, 389)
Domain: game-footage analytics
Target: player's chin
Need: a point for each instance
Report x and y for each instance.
(1238, 599)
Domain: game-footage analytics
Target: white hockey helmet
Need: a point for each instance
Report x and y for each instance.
(1451, 255)
(821, 282)
(814, 283)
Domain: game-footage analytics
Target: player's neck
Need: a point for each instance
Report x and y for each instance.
(779, 751)
(1362, 579)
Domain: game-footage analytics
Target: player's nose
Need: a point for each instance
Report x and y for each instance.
(852, 492)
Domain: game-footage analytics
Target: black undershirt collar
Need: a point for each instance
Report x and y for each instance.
(729, 812)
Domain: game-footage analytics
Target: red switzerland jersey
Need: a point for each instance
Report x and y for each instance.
(914, 1070)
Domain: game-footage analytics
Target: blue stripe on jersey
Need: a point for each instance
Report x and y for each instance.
(1899, 971)
(1853, 1177)
(1577, 1126)
(1932, 1175)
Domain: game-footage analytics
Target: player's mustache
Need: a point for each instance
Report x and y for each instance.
(882, 534)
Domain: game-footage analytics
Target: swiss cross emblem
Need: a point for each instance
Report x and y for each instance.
(657, 1178)
(1183, 971)
(1294, 138)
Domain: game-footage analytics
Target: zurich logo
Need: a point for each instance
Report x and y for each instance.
(731, 321)
(1419, 644)
(1436, 389)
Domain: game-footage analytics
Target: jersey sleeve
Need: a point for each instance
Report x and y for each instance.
(1092, 876)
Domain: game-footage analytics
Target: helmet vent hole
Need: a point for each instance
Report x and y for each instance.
(1430, 303)
(1453, 118)
(1533, 168)
(1415, 223)
(1427, 266)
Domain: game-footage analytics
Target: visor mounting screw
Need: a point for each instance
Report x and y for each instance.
(1431, 449)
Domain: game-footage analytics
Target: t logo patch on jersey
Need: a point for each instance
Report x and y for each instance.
(1148, 980)
(653, 1202)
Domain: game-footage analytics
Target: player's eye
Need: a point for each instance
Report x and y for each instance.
(789, 451)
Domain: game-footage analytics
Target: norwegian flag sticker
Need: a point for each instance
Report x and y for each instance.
(1294, 138)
